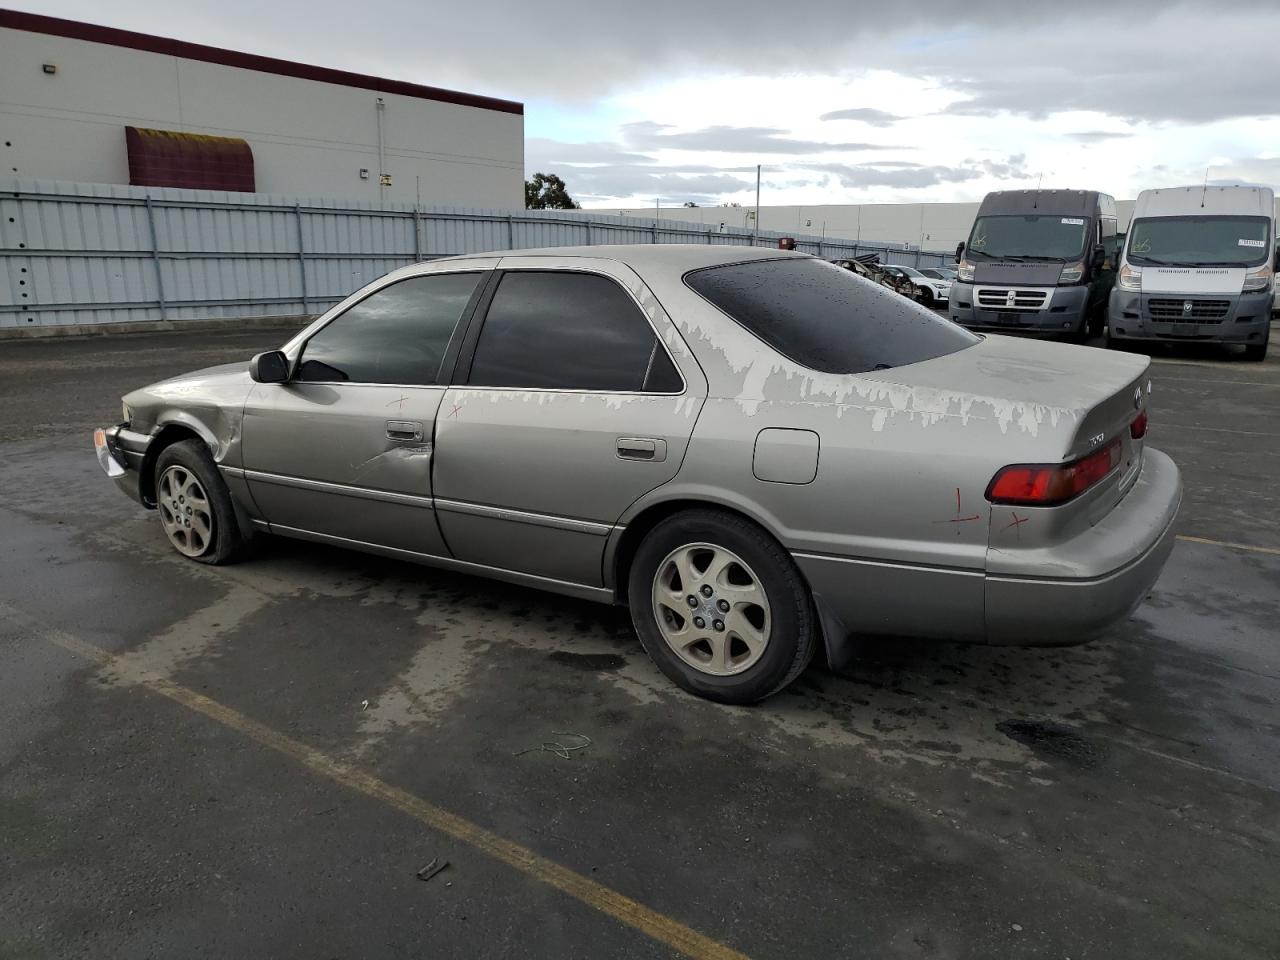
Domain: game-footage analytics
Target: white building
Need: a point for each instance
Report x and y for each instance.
(69, 90)
(927, 226)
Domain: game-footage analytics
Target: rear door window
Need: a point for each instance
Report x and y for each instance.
(397, 335)
(549, 330)
(826, 318)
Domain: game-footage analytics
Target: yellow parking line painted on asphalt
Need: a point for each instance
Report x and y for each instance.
(595, 895)
(1233, 546)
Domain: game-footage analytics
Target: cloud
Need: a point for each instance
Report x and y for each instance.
(859, 175)
(1097, 136)
(647, 135)
(867, 115)
(547, 152)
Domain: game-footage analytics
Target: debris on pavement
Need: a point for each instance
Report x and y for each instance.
(561, 750)
(431, 869)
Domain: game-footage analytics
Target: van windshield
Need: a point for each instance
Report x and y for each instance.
(1199, 241)
(1032, 237)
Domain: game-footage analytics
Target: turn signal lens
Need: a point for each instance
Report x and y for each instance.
(1045, 485)
(1138, 429)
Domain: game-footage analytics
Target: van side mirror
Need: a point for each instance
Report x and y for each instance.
(959, 250)
(1276, 265)
(1099, 255)
(269, 367)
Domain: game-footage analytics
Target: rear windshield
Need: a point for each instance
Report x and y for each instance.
(827, 318)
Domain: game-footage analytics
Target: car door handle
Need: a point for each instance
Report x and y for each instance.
(642, 448)
(404, 431)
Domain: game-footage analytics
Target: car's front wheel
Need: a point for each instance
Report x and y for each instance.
(720, 607)
(195, 506)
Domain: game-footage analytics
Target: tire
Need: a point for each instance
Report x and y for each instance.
(926, 298)
(194, 505)
(742, 564)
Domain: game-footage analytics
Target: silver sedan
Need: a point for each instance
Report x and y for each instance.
(759, 453)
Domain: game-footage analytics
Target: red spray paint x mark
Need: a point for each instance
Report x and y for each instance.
(454, 411)
(958, 519)
(1016, 523)
(401, 402)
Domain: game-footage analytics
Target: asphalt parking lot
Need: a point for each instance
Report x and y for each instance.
(257, 760)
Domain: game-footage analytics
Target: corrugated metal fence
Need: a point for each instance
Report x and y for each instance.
(77, 253)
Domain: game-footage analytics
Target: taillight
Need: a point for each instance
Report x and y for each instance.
(1138, 429)
(1047, 484)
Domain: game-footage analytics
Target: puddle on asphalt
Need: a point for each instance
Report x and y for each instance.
(1054, 742)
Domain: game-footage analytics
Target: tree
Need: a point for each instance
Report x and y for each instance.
(546, 191)
(690, 203)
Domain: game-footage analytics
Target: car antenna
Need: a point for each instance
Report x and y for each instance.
(1035, 200)
(1205, 188)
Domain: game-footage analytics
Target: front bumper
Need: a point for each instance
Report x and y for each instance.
(1116, 562)
(121, 454)
(1246, 318)
(1062, 314)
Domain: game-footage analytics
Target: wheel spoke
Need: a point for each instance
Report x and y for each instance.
(737, 625)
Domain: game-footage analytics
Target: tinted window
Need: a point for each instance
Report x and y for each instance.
(397, 335)
(826, 318)
(569, 331)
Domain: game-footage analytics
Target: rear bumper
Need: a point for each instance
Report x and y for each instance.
(1247, 320)
(122, 453)
(1032, 610)
(1062, 315)
(1024, 602)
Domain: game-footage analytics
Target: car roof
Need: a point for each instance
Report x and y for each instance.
(673, 256)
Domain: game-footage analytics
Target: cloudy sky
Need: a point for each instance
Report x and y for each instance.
(842, 102)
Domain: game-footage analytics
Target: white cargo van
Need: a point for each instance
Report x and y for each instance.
(1197, 265)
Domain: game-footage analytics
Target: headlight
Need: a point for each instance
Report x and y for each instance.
(964, 270)
(126, 415)
(1072, 273)
(1259, 279)
(1130, 278)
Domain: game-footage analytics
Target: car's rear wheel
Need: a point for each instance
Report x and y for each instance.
(927, 298)
(720, 607)
(195, 506)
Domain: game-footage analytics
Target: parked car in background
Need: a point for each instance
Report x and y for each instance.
(869, 266)
(642, 425)
(1198, 265)
(929, 290)
(1038, 261)
(940, 273)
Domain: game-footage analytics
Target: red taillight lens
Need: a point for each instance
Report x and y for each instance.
(1043, 485)
(1138, 429)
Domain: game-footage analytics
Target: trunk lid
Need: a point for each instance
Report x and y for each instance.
(1078, 399)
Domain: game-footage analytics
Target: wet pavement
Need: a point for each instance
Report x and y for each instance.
(268, 753)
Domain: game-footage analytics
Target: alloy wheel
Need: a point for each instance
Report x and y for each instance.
(185, 511)
(711, 609)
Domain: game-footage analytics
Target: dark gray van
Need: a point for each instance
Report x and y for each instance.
(1038, 260)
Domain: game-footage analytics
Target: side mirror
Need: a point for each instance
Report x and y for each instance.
(1276, 265)
(269, 367)
(959, 250)
(1099, 255)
